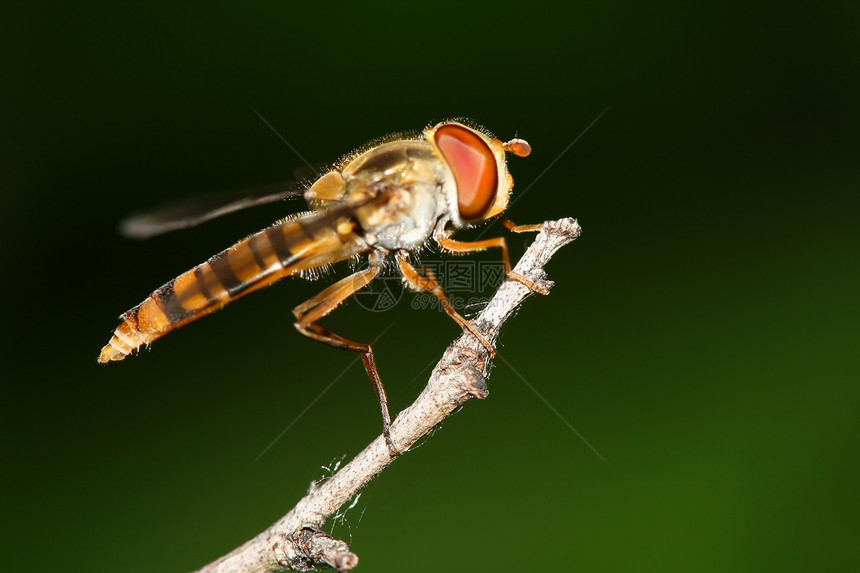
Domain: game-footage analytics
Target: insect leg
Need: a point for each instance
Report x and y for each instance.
(429, 284)
(471, 246)
(511, 226)
(322, 304)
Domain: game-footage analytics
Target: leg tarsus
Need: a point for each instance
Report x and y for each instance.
(530, 284)
(513, 227)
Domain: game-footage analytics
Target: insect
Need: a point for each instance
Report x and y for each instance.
(386, 201)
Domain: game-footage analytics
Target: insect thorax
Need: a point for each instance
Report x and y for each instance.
(409, 179)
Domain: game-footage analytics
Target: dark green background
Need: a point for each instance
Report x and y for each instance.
(703, 334)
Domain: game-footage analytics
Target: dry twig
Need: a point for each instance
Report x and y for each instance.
(296, 541)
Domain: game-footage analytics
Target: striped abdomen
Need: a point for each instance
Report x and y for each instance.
(281, 250)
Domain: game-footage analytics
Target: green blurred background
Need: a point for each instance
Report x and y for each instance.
(703, 334)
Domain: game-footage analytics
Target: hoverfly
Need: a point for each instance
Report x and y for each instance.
(387, 201)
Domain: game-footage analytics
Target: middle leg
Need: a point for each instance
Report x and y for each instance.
(429, 284)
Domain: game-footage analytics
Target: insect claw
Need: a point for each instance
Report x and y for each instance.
(530, 284)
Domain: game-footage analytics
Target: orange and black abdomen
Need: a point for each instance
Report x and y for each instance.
(281, 250)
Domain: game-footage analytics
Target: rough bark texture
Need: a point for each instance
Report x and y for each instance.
(296, 541)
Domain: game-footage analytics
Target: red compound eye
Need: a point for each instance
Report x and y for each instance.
(474, 168)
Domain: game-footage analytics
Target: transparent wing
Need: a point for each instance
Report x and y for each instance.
(201, 209)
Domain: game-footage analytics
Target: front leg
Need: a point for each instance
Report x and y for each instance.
(511, 226)
(456, 246)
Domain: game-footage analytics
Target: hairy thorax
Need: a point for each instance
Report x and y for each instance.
(407, 182)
